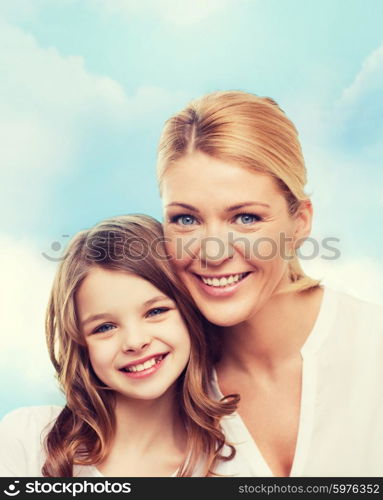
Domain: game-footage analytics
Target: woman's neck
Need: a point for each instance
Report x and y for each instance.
(274, 335)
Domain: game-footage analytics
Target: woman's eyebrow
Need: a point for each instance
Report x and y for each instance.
(228, 209)
(183, 205)
(246, 204)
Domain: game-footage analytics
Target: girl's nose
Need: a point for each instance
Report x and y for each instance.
(134, 341)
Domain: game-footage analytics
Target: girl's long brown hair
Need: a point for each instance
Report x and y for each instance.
(84, 430)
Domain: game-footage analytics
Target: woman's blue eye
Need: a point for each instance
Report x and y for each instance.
(247, 218)
(103, 328)
(156, 311)
(183, 220)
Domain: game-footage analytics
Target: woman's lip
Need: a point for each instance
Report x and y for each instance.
(219, 276)
(148, 371)
(225, 291)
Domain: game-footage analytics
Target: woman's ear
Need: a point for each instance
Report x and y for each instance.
(303, 220)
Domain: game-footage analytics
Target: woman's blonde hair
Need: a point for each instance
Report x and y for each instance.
(84, 430)
(248, 130)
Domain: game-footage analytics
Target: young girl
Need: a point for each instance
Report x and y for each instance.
(128, 348)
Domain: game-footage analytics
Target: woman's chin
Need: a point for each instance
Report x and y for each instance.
(224, 315)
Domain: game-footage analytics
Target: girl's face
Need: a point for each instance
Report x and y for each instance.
(137, 341)
(229, 235)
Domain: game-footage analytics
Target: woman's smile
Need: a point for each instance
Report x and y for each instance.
(221, 285)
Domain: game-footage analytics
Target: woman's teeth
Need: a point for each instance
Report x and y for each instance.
(144, 366)
(221, 282)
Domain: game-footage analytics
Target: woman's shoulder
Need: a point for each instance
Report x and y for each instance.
(354, 306)
(353, 320)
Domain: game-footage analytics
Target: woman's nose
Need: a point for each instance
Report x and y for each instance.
(215, 249)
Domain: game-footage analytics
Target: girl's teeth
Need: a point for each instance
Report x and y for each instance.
(223, 281)
(144, 366)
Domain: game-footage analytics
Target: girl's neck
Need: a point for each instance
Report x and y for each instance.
(149, 440)
(274, 335)
(142, 424)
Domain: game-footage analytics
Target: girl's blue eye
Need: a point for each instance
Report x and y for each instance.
(103, 328)
(156, 311)
(183, 220)
(247, 218)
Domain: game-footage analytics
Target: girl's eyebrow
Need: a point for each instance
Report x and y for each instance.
(147, 303)
(158, 298)
(228, 209)
(94, 317)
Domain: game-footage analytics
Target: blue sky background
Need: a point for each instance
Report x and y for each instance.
(85, 87)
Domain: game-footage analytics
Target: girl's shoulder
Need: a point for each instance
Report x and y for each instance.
(31, 416)
(22, 432)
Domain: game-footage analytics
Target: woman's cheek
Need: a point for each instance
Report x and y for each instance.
(266, 249)
(182, 249)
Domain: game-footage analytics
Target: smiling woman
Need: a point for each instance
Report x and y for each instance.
(305, 360)
(128, 347)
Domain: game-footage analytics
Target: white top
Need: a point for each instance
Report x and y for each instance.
(22, 433)
(341, 417)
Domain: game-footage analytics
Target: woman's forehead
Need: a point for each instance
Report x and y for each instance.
(203, 178)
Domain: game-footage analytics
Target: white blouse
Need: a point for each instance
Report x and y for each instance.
(341, 416)
(22, 434)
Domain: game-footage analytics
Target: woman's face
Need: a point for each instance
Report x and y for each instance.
(229, 235)
(138, 343)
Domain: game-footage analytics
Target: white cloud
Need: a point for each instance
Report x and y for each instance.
(29, 10)
(26, 279)
(369, 79)
(178, 12)
(358, 113)
(48, 104)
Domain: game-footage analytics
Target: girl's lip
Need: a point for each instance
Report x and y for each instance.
(148, 371)
(225, 291)
(142, 360)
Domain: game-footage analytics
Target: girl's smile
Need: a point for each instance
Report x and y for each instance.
(144, 367)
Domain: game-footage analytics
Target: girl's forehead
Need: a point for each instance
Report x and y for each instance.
(103, 288)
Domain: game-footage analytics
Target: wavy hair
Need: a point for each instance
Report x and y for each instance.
(248, 130)
(83, 431)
